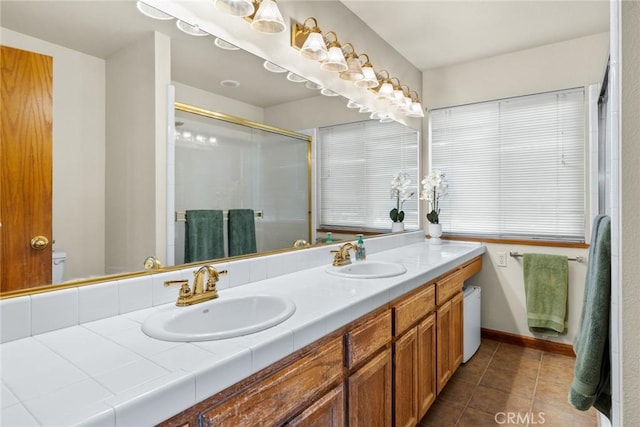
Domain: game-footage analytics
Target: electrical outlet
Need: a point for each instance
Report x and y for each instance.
(502, 259)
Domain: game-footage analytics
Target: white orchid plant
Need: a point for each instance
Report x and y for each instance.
(400, 191)
(434, 187)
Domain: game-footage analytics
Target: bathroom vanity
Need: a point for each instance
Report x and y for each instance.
(354, 350)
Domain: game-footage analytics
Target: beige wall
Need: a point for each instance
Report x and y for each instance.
(573, 63)
(78, 153)
(630, 211)
(135, 187)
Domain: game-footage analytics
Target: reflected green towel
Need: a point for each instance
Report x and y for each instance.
(203, 237)
(546, 280)
(242, 232)
(592, 372)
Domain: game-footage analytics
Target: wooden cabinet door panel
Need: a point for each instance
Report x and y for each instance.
(277, 397)
(367, 338)
(457, 314)
(326, 412)
(409, 310)
(406, 379)
(426, 364)
(443, 347)
(369, 399)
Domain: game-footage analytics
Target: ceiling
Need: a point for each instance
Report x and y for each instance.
(428, 33)
(436, 33)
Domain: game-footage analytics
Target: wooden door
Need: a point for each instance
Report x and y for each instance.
(405, 360)
(26, 95)
(370, 393)
(426, 364)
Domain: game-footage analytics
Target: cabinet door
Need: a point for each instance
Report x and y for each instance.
(426, 364)
(456, 330)
(328, 411)
(406, 379)
(443, 345)
(370, 393)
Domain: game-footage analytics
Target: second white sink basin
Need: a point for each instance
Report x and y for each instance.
(368, 270)
(219, 318)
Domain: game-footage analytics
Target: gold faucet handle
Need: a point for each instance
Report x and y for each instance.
(185, 292)
(213, 279)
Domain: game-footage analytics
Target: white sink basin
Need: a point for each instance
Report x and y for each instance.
(368, 270)
(219, 318)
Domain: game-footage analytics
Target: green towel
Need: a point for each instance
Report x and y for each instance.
(203, 237)
(592, 373)
(545, 283)
(242, 232)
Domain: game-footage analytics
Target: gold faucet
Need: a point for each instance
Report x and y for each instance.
(201, 292)
(152, 263)
(342, 256)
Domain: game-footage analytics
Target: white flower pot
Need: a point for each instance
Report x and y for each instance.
(397, 227)
(435, 231)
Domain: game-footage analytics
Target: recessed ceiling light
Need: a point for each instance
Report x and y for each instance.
(223, 44)
(295, 78)
(152, 12)
(230, 83)
(192, 30)
(270, 66)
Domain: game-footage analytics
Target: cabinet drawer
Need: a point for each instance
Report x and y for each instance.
(411, 309)
(365, 339)
(449, 286)
(472, 268)
(279, 396)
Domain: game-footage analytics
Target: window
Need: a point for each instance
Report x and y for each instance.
(515, 167)
(357, 163)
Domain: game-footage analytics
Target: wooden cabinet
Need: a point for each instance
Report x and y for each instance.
(414, 356)
(279, 396)
(370, 371)
(448, 339)
(326, 412)
(370, 393)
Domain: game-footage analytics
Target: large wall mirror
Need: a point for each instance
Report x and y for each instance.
(98, 160)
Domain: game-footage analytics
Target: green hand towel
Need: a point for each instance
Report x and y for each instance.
(242, 232)
(546, 281)
(592, 373)
(203, 237)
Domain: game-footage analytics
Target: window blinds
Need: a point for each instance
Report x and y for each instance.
(357, 163)
(515, 167)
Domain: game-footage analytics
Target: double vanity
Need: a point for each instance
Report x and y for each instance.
(372, 342)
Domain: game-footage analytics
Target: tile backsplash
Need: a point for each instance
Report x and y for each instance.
(25, 316)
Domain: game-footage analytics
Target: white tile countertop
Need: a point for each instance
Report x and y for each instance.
(107, 372)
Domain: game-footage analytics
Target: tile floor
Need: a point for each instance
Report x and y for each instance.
(508, 385)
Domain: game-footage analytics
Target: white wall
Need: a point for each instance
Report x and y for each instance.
(78, 153)
(137, 80)
(629, 249)
(572, 63)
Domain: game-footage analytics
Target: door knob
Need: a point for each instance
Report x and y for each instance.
(39, 242)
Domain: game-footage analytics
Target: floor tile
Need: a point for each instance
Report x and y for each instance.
(557, 374)
(458, 391)
(492, 401)
(515, 382)
(561, 416)
(442, 414)
(475, 418)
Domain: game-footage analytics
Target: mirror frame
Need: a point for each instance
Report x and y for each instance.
(216, 116)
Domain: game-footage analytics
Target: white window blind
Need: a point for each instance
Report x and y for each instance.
(357, 163)
(515, 167)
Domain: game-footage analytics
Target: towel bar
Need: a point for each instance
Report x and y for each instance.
(181, 216)
(577, 258)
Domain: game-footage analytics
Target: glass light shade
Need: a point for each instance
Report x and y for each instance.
(385, 91)
(223, 44)
(328, 92)
(335, 60)
(192, 30)
(369, 80)
(270, 66)
(314, 47)
(352, 104)
(375, 116)
(235, 7)
(365, 110)
(268, 18)
(152, 12)
(354, 70)
(415, 110)
(398, 96)
(312, 86)
(386, 118)
(292, 77)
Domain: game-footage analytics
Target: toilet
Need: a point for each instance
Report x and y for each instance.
(58, 258)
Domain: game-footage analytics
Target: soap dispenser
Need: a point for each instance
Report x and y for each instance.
(361, 252)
